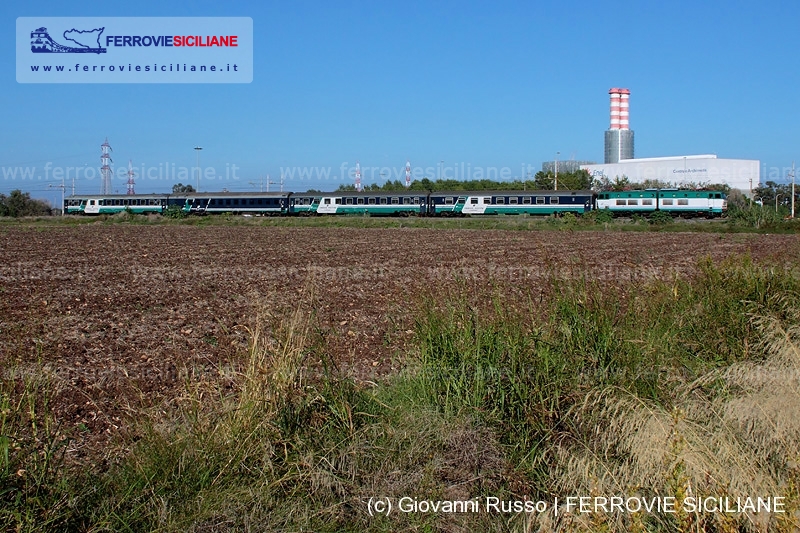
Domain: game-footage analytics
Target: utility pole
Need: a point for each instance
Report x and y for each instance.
(197, 150)
(63, 188)
(792, 189)
(261, 183)
(555, 183)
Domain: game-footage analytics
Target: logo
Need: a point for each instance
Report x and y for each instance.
(88, 41)
(134, 49)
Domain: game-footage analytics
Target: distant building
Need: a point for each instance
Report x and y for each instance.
(569, 165)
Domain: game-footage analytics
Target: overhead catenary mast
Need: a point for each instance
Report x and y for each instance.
(130, 175)
(105, 169)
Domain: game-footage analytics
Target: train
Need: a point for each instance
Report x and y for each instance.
(407, 203)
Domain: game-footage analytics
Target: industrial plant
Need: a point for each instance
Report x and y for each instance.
(742, 174)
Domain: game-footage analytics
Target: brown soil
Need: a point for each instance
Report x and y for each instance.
(123, 316)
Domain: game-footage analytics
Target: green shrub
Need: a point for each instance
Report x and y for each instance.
(174, 212)
(660, 218)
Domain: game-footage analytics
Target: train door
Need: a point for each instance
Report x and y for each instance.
(328, 205)
(92, 207)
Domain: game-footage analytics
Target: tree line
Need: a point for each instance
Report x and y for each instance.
(575, 181)
(20, 204)
(578, 180)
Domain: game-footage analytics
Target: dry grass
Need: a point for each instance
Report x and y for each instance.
(734, 432)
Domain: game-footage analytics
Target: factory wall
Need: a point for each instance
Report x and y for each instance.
(736, 173)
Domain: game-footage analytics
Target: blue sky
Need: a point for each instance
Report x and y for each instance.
(481, 84)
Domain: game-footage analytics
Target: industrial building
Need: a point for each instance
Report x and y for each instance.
(742, 174)
(567, 165)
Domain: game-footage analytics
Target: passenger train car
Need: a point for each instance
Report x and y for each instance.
(407, 203)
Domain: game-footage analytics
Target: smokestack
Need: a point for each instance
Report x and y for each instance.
(619, 108)
(615, 97)
(619, 137)
(624, 97)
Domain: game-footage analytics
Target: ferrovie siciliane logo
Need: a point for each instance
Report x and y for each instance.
(83, 41)
(135, 50)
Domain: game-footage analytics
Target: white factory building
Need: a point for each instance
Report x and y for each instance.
(742, 174)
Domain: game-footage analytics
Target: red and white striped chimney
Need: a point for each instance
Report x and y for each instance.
(624, 98)
(619, 108)
(614, 108)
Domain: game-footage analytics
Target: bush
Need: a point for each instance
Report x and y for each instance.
(174, 211)
(660, 218)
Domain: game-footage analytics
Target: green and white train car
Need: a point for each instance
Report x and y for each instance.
(111, 204)
(371, 203)
(522, 202)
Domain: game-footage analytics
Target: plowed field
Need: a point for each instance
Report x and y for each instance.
(119, 313)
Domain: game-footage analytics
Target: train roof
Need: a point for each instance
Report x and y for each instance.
(226, 194)
(229, 194)
(367, 193)
(100, 196)
(511, 193)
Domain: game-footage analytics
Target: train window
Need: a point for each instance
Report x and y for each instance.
(91, 202)
(487, 199)
(383, 201)
(372, 201)
(338, 201)
(554, 199)
(633, 202)
(473, 201)
(448, 200)
(667, 201)
(327, 201)
(416, 201)
(395, 200)
(718, 196)
(349, 201)
(683, 201)
(513, 200)
(540, 199)
(407, 201)
(647, 201)
(621, 201)
(360, 201)
(501, 200)
(526, 199)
